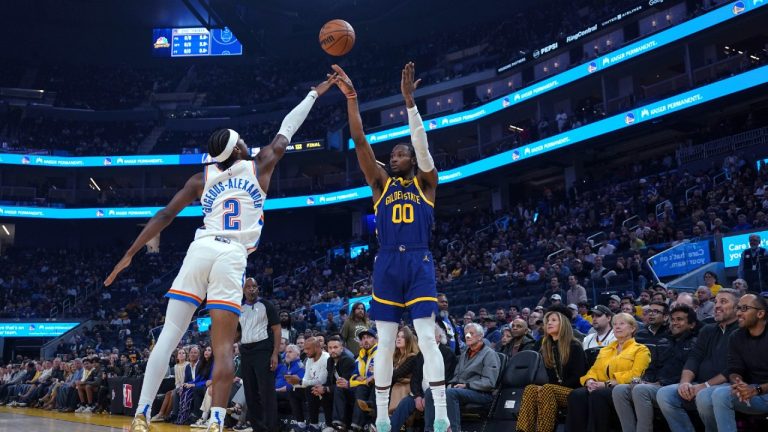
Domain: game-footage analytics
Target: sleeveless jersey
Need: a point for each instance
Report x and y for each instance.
(404, 216)
(233, 204)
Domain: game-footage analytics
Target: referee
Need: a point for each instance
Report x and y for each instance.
(259, 347)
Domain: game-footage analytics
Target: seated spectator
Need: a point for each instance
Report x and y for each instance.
(552, 294)
(656, 328)
(635, 402)
(614, 304)
(474, 379)
(710, 281)
(492, 333)
(579, 324)
(415, 401)
(85, 388)
(576, 293)
(741, 286)
(535, 322)
(602, 328)
(315, 377)
(584, 311)
(66, 398)
(515, 338)
(703, 371)
(361, 381)
(747, 366)
(340, 367)
(404, 362)
(179, 370)
(590, 407)
(706, 306)
(290, 370)
(565, 363)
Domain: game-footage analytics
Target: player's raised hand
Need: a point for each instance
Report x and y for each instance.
(343, 82)
(120, 266)
(325, 85)
(407, 84)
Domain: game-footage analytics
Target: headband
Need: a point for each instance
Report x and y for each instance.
(227, 152)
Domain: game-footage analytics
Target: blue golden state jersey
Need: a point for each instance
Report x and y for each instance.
(404, 216)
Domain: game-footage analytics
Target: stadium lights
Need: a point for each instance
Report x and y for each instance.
(95, 184)
(6, 230)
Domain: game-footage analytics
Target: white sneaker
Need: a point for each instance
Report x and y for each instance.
(81, 409)
(200, 424)
(88, 409)
(157, 419)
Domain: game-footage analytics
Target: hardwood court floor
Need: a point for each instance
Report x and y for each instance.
(37, 420)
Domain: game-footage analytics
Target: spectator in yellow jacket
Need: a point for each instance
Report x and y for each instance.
(621, 362)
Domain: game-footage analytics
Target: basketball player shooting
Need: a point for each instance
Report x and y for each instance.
(232, 192)
(403, 272)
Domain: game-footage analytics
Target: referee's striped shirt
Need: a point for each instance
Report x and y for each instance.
(256, 321)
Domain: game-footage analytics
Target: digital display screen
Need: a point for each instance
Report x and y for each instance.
(734, 245)
(305, 146)
(681, 259)
(365, 300)
(194, 42)
(203, 324)
(35, 329)
(355, 251)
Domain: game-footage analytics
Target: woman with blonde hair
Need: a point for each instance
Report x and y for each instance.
(565, 363)
(620, 362)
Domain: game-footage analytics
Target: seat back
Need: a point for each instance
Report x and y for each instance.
(591, 355)
(502, 365)
(523, 369)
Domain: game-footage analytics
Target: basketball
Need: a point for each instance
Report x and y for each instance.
(337, 37)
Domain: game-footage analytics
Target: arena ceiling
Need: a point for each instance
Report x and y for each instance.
(271, 27)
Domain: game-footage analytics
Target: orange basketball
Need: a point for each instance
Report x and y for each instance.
(337, 37)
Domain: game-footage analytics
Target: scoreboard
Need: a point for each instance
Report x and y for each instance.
(303, 146)
(195, 42)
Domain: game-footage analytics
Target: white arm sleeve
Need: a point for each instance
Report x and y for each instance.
(419, 140)
(295, 118)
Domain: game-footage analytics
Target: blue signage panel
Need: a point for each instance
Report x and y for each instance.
(365, 300)
(681, 259)
(35, 329)
(649, 112)
(628, 52)
(734, 245)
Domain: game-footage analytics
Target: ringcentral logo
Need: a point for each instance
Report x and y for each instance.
(655, 2)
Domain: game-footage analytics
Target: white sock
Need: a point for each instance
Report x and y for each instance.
(177, 318)
(434, 368)
(382, 367)
(218, 414)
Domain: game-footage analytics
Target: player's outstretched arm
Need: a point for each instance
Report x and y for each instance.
(375, 175)
(187, 195)
(427, 173)
(271, 154)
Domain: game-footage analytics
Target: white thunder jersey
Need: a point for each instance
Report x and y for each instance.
(233, 204)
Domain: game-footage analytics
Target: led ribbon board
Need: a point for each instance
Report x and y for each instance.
(35, 329)
(631, 51)
(701, 95)
(626, 53)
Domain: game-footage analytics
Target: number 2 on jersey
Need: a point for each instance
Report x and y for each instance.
(231, 212)
(402, 213)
